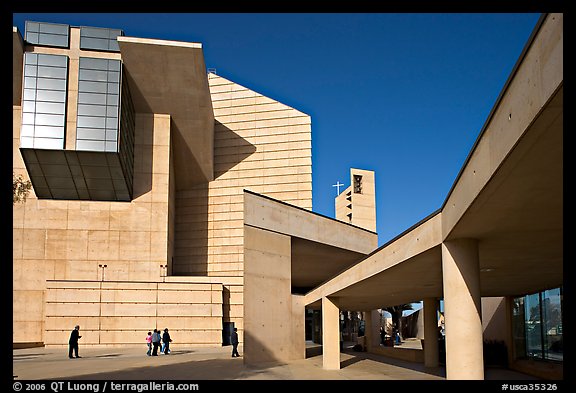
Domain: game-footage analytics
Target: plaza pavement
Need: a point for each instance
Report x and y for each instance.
(131, 363)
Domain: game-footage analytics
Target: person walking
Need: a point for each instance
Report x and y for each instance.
(166, 342)
(73, 342)
(149, 343)
(155, 342)
(235, 343)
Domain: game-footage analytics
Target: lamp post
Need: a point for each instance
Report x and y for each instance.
(102, 267)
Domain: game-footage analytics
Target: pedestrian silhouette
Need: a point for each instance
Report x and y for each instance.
(149, 343)
(166, 340)
(235, 343)
(73, 342)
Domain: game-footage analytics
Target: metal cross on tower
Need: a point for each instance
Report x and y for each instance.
(337, 185)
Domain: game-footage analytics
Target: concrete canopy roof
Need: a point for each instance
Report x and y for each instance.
(508, 196)
(169, 77)
(320, 246)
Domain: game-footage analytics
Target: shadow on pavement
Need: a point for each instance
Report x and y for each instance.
(211, 369)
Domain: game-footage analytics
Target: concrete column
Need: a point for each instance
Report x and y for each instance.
(462, 309)
(375, 328)
(330, 334)
(368, 335)
(430, 332)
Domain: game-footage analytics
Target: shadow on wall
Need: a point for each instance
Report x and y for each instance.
(230, 149)
(144, 131)
(257, 353)
(192, 221)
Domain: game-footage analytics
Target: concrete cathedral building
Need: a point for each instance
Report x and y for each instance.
(166, 196)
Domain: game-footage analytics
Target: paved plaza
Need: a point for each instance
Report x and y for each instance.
(131, 363)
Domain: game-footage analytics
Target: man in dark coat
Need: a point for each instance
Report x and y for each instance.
(73, 342)
(235, 343)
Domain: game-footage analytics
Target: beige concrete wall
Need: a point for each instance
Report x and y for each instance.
(121, 313)
(67, 240)
(268, 300)
(259, 144)
(494, 319)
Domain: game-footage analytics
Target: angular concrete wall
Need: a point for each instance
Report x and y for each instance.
(117, 313)
(259, 144)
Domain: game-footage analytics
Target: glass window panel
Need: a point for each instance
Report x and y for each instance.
(533, 326)
(111, 146)
(60, 41)
(90, 145)
(54, 28)
(114, 88)
(111, 135)
(91, 133)
(93, 64)
(115, 33)
(27, 130)
(114, 47)
(50, 107)
(51, 84)
(93, 43)
(38, 182)
(29, 106)
(27, 142)
(94, 32)
(28, 118)
(78, 177)
(32, 37)
(52, 60)
(52, 72)
(113, 76)
(83, 194)
(51, 95)
(35, 170)
(31, 58)
(48, 143)
(103, 194)
(64, 193)
(92, 110)
(112, 99)
(29, 94)
(49, 132)
(114, 65)
(93, 75)
(32, 26)
(112, 111)
(50, 120)
(91, 98)
(30, 82)
(92, 87)
(30, 70)
(91, 122)
(552, 323)
(112, 122)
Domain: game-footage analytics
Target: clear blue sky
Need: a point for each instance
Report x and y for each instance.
(405, 95)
